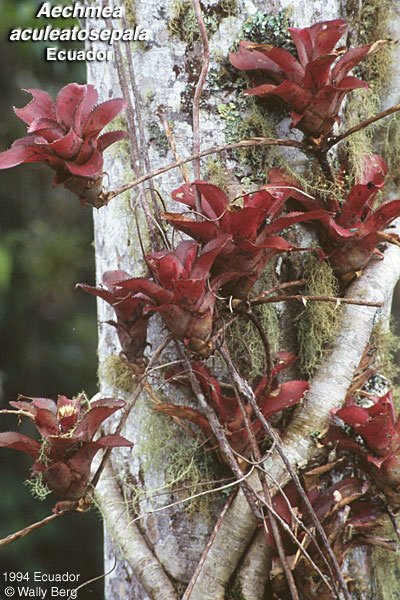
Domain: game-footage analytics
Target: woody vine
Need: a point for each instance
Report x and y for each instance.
(202, 286)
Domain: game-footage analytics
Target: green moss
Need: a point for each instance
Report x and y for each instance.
(363, 104)
(186, 464)
(267, 28)
(386, 566)
(313, 181)
(37, 486)
(370, 22)
(319, 322)
(235, 591)
(244, 119)
(130, 13)
(387, 343)
(183, 24)
(117, 373)
(390, 145)
(244, 341)
(216, 173)
(158, 138)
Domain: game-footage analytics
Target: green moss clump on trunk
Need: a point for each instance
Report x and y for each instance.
(319, 322)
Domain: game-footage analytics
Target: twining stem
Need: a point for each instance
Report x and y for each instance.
(267, 495)
(267, 347)
(385, 113)
(252, 142)
(300, 298)
(189, 589)
(259, 141)
(247, 393)
(219, 433)
(27, 530)
(200, 85)
(160, 112)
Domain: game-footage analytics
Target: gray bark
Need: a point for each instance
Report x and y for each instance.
(157, 555)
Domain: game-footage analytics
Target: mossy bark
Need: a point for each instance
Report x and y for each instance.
(166, 71)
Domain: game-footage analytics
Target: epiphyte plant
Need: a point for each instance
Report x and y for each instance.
(315, 83)
(66, 449)
(65, 135)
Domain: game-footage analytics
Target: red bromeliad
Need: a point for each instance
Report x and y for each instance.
(379, 427)
(252, 229)
(350, 237)
(349, 516)
(315, 83)
(65, 135)
(66, 450)
(181, 291)
(131, 323)
(271, 400)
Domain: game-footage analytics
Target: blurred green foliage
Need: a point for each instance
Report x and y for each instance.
(47, 329)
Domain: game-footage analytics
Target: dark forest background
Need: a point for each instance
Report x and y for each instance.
(47, 329)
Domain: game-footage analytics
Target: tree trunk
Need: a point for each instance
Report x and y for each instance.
(156, 552)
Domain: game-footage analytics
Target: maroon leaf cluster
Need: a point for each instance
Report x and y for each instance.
(313, 84)
(65, 135)
(350, 235)
(348, 515)
(131, 322)
(252, 229)
(271, 400)
(64, 454)
(180, 290)
(378, 426)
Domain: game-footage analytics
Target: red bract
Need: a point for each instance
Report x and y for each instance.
(181, 291)
(66, 450)
(131, 324)
(325, 503)
(315, 84)
(252, 229)
(379, 427)
(348, 517)
(350, 236)
(270, 401)
(65, 135)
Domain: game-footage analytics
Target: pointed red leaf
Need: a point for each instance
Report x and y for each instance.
(285, 396)
(18, 155)
(40, 106)
(18, 441)
(351, 83)
(67, 146)
(287, 63)
(46, 422)
(114, 441)
(102, 115)
(214, 201)
(348, 61)
(185, 412)
(326, 35)
(289, 91)
(201, 231)
(69, 99)
(303, 43)
(318, 72)
(109, 138)
(202, 266)
(85, 108)
(46, 124)
(249, 58)
(382, 217)
(91, 168)
(99, 411)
